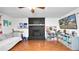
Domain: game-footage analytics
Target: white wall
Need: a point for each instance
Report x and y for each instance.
(16, 22)
(49, 21)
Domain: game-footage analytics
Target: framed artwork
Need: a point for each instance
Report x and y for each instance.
(68, 22)
(6, 23)
(22, 25)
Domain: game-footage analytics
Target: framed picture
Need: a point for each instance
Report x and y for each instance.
(22, 25)
(68, 22)
(6, 23)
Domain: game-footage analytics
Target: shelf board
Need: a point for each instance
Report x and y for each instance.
(36, 24)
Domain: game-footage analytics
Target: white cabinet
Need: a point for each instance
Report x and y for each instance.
(75, 43)
(71, 42)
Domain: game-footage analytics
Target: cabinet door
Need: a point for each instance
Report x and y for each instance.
(75, 43)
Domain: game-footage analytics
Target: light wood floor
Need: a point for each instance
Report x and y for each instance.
(39, 45)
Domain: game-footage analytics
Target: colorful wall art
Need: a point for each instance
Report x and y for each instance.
(22, 25)
(6, 23)
(68, 22)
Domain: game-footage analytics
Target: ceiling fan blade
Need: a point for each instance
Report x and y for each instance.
(21, 7)
(32, 10)
(41, 7)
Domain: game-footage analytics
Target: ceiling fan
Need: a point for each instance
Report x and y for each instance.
(32, 9)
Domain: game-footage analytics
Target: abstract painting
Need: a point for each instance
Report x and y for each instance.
(22, 25)
(68, 22)
(6, 23)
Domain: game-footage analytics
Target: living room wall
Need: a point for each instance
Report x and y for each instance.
(16, 22)
(49, 21)
(8, 28)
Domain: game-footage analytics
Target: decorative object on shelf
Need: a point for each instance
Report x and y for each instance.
(74, 33)
(50, 32)
(58, 33)
(64, 31)
(22, 25)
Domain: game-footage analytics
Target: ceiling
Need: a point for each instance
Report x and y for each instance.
(47, 12)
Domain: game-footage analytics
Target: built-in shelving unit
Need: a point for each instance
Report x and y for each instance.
(36, 28)
(70, 41)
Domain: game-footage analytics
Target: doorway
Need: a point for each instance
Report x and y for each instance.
(37, 28)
